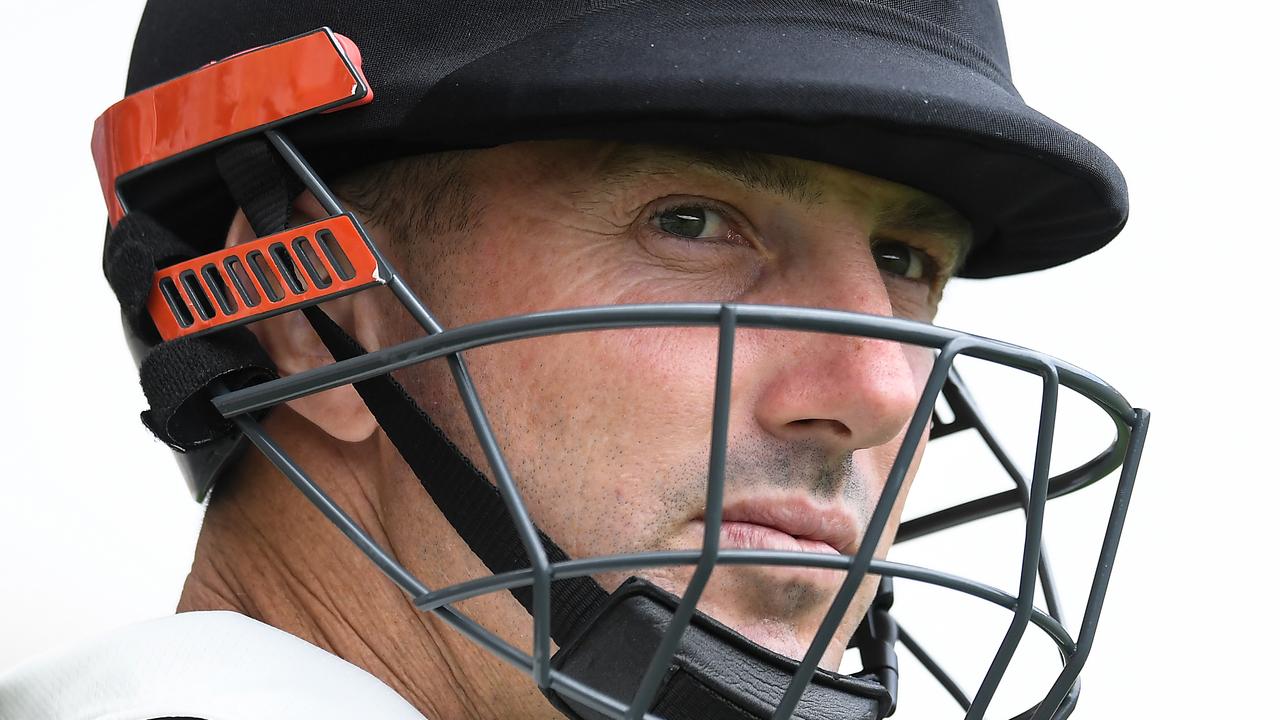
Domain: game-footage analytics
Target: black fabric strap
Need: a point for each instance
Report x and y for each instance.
(464, 495)
(260, 184)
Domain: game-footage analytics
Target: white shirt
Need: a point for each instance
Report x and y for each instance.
(207, 665)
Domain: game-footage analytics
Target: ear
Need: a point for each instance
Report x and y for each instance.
(294, 346)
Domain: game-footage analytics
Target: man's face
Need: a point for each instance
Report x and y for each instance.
(606, 433)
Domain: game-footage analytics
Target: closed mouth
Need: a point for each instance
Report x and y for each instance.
(794, 523)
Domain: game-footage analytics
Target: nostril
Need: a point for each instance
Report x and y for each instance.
(811, 425)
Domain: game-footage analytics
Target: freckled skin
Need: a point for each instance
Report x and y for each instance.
(607, 432)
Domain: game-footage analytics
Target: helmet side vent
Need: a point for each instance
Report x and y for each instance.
(316, 270)
(266, 276)
(199, 300)
(177, 306)
(240, 278)
(288, 269)
(218, 288)
(337, 258)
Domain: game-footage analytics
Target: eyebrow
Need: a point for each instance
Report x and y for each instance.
(754, 171)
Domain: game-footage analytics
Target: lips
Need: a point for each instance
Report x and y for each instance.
(787, 523)
(749, 536)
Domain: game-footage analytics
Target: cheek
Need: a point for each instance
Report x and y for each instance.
(591, 424)
(598, 427)
(515, 264)
(912, 300)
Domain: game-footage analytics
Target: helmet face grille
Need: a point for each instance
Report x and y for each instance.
(1029, 496)
(1124, 452)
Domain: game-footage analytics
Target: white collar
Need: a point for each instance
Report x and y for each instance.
(214, 665)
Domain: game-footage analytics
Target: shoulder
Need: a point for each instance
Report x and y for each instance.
(207, 665)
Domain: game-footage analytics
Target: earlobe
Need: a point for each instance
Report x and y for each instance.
(294, 346)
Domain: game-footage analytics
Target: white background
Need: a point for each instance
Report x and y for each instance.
(96, 528)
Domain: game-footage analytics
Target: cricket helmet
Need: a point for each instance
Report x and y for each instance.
(911, 91)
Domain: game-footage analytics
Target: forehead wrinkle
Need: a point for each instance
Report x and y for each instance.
(753, 171)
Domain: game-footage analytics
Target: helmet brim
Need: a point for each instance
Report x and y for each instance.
(1037, 193)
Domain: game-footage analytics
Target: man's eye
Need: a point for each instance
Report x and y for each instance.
(692, 223)
(903, 260)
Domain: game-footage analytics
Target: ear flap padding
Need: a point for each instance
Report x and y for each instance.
(176, 377)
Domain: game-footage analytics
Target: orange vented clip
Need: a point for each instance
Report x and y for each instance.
(254, 280)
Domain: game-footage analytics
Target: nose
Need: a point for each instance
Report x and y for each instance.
(841, 392)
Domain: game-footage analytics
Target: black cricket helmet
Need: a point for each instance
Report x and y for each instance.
(913, 91)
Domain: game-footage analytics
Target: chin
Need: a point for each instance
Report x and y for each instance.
(779, 608)
(776, 636)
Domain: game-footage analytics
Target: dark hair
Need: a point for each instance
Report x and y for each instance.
(414, 197)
